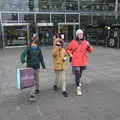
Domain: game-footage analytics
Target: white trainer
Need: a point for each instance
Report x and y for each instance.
(32, 98)
(80, 84)
(79, 92)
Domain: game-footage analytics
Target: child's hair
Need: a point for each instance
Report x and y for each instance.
(58, 35)
(35, 40)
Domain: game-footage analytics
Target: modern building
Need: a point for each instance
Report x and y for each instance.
(20, 19)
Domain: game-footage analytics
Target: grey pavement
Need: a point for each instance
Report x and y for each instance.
(101, 91)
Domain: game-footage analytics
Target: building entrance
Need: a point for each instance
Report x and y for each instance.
(15, 34)
(45, 32)
(68, 30)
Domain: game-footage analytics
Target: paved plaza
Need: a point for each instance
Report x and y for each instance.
(101, 90)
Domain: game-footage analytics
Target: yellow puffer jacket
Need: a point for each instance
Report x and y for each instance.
(59, 58)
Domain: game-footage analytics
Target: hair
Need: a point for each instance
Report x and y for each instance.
(58, 35)
(34, 40)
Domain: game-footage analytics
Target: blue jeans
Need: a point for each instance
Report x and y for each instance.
(77, 70)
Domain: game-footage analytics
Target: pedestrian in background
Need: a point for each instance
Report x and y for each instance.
(59, 61)
(32, 56)
(77, 50)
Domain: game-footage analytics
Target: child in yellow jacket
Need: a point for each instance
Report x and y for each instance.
(59, 61)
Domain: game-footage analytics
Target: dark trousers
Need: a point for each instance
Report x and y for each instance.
(78, 74)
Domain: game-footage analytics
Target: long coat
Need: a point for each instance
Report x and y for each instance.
(79, 52)
(59, 55)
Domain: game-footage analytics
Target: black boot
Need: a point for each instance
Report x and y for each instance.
(37, 91)
(65, 94)
(55, 87)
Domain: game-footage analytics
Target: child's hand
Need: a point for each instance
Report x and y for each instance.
(65, 59)
(43, 70)
(71, 55)
(88, 44)
(24, 64)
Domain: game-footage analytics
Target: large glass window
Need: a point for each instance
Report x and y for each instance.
(10, 17)
(43, 18)
(57, 6)
(51, 5)
(98, 20)
(72, 18)
(15, 35)
(85, 5)
(56, 18)
(118, 19)
(85, 20)
(110, 20)
(102, 7)
(71, 5)
(26, 17)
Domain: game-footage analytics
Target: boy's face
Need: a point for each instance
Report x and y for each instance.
(33, 44)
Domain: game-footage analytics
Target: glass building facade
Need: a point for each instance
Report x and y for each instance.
(64, 15)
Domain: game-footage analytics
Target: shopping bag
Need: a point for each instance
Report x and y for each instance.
(25, 78)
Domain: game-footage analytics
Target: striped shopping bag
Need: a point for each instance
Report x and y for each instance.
(25, 78)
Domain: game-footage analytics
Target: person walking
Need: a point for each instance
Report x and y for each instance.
(77, 49)
(59, 61)
(32, 56)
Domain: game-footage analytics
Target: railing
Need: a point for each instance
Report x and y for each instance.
(97, 7)
(58, 5)
(55, 17)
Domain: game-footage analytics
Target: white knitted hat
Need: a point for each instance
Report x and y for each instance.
(79, 31)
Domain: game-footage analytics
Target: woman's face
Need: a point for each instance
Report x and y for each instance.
(80, 36)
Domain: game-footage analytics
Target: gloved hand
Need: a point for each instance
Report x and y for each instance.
(43, 70)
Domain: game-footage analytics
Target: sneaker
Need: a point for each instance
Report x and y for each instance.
(65, 94)
(55, 87)
(37, 91)
(32, 98)
(79, 92)
(80, 84)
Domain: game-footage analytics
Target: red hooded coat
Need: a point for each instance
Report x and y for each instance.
(79, 52)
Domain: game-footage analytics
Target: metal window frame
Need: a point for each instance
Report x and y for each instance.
(14, 24)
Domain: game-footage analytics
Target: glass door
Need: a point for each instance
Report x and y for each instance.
(15, 35)
(45, 34)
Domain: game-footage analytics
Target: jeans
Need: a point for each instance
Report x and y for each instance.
(36, 86)
(77, 70)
